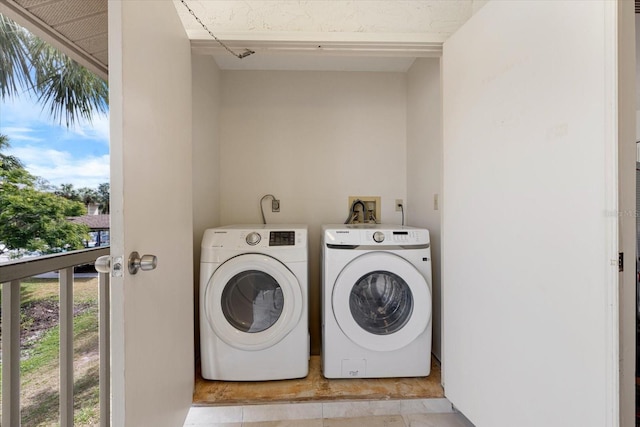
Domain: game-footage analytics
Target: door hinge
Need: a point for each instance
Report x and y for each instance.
(621, 262)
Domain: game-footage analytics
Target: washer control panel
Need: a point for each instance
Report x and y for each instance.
(379, 235)
(402, 236)
(395, 237)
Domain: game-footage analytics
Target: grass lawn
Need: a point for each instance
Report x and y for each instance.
(40, 338)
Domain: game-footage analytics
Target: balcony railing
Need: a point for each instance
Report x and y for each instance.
(11, 274)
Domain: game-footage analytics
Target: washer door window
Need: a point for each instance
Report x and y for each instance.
(381, 302)
(253, 301)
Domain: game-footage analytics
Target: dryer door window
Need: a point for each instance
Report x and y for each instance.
(252, 301)
(381, 302)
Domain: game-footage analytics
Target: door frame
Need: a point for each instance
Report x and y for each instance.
(626, 314)
(627, 154)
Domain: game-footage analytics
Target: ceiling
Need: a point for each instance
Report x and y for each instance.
(285, 34)
(78, 27)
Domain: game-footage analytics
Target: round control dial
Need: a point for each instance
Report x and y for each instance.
(378, 236)
(253, 238)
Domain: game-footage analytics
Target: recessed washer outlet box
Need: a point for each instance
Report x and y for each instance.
(372, 211)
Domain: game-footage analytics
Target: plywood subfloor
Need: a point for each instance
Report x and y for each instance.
(315, 387)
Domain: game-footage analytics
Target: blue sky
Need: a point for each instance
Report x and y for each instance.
(61, 155)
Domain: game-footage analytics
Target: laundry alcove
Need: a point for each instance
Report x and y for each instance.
(314, 131)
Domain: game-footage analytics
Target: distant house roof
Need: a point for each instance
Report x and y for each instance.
(94, 222)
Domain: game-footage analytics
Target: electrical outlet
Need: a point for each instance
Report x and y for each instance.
(275, 205)
(372, 209)
(436, 204)
(399, 205)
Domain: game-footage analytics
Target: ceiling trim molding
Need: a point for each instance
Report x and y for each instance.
(351, 48)
(41, 29)
(326, 37)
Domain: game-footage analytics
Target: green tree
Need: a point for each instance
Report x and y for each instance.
(27, 63)
(11, 168)
(87, 195)
(8, 162)
(103, 197)
(68, 192)
(35, 220)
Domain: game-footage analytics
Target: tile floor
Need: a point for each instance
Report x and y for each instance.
(387, 413)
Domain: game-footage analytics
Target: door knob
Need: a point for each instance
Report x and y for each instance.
(107, 264)
(144, 262)
(103, 264)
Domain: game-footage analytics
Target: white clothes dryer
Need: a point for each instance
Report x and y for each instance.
(376, 299)
(253, 303)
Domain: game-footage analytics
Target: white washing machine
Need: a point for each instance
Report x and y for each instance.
(376, 300)
(253, 303)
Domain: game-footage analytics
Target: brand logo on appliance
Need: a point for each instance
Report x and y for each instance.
(342, 231)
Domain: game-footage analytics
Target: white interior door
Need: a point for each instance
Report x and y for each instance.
(152, 311)
(530, 215)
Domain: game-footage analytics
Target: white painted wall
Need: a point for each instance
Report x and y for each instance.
(206, 157)
(424, 167)
(312, 139)
(206, 145)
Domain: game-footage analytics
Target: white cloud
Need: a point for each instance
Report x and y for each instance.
(21, 116)
(98, 129)
(19, 134)
(17, 129)
(53, 152)
(22, 110)
(60, 167)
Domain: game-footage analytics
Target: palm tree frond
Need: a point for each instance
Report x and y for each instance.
(67, 89)
(14, 58)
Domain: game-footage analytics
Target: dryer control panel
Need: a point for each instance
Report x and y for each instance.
(282, 238)
(268, 238)
(262, 236)
(276, 238)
